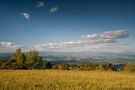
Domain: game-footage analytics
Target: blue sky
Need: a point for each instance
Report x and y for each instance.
(60, 25)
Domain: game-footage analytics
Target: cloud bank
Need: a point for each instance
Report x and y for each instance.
(10, 45)
(85, 41)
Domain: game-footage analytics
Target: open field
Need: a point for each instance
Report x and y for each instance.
(66, 80)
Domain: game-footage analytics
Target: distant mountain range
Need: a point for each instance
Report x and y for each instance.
(84, 57)
(90, 54)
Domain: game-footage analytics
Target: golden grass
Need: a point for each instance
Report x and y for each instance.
(66, 80)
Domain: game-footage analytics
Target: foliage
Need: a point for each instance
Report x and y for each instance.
(85, 67)
(31, 60)
(19, 57)
(21, 61)
(129, 67)
(48, 65)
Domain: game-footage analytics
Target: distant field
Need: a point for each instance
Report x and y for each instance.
(66, 80)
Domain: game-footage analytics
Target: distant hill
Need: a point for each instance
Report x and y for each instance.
(5, 55)
(84, 57)
(88, 57)
(90, 54)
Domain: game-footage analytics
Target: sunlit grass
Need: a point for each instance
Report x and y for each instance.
(66, 80)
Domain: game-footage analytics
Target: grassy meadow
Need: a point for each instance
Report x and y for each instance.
(66, 80)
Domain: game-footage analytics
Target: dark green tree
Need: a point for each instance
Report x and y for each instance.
(48, 65)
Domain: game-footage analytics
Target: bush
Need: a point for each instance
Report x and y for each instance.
(48, 65)
(129, 67)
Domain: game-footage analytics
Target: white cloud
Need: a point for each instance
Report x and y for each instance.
(114, 34)
(85, 41)
(108, 35)
(54, 9)
(10, 45)
(26, 15)
(40, 4)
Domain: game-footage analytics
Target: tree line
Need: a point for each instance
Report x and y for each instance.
(95, 67)
(31, 60)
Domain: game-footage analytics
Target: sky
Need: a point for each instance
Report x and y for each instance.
(67, 25)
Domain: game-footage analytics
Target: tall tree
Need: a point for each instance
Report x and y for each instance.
(32, 59)
(19, 57)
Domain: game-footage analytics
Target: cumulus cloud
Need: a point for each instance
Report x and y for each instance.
(40, 4)
(54, 9)
(108, 35)
(85, 40)
(10, 45)
(115, 34)
(26, 15)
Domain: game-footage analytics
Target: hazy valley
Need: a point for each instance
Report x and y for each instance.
(84, 57)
